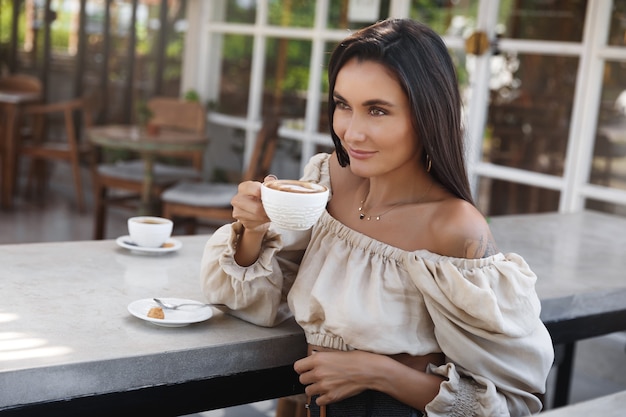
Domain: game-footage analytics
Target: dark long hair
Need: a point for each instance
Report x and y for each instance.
(420, 60)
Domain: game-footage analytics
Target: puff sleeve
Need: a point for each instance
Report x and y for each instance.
(486, 320)
(257, 293)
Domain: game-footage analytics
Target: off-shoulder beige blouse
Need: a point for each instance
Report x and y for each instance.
(349, 291)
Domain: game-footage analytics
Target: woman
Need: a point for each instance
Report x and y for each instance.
(406, 304)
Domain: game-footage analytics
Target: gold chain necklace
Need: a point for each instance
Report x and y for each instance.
(364, 215)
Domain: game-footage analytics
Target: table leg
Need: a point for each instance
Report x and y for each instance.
(563, 374)
(8, 163)
(148, 179)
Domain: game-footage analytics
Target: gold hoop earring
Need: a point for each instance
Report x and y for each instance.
(429, 163)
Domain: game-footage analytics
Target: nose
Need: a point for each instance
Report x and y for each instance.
(354, 129)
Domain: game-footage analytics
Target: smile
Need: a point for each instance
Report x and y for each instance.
(360, 154)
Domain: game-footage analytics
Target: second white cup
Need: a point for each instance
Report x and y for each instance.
(149, 231)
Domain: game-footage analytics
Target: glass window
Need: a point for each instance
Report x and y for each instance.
(451, 18)
(617, 31)
(6, 21)
(605, 207)
(291, 13)
(609, 156)
(528, 120)
(147, 27)
(6, 27)
(460, 60)
(542, 20)
(355, 14)
(499, 197)
(30, 45)
(119, 64)
(174, 46)
(155, 64)
(286, 161)
(529, 112)
(235, 80)
(63, 18)
(287, 78)
(238, 11)
(94, 48)
(323, 126)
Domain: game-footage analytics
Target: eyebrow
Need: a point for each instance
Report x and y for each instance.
(372, 102)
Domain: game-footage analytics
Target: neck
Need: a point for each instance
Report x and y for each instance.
(369, 211)
(379, 194)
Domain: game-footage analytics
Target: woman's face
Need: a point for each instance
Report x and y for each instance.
(373, 120)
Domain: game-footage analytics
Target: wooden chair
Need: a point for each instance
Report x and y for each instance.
(179, 114)
(55, 137)
(120, 183)
(292, 406)
(195, 201)
(21, 82)
(11, 127)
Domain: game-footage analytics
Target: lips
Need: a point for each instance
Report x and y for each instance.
(360, 154)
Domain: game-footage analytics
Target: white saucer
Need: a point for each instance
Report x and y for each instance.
(126, 242)
(173, 318)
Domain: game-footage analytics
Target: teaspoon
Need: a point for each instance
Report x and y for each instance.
(171, 306)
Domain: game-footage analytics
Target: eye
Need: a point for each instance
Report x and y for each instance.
(375, 111)
(341, 105)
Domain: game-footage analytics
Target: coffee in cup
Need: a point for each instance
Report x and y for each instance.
(149, 231)
(293, 204)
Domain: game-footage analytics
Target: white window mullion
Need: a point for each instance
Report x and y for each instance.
(613, 53)
(257, 75)
(212, 75)
(610, 195)
(314, 92)
(528, 46)
(479, 100)
(579, 155)
(400, 8)
(520, 176)
(197, 65)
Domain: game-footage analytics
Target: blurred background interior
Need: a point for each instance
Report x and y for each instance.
(543, 81)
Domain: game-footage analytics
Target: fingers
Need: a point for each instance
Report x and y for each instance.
(311, 373)
(331, 375)
(270, 177)
(303, 365)
(250, 188)
(247, 206)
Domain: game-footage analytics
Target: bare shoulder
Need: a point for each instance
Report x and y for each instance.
(461, 231)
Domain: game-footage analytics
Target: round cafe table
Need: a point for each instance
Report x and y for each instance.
(135, 138)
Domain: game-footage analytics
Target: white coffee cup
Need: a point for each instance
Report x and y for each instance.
(149, 231)
(293, 204)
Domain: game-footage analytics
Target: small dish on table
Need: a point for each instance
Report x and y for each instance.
(170, 245)
(183, 316)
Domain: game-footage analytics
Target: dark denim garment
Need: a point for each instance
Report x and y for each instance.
(366, 404)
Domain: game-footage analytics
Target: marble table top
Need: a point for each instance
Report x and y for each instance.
(579, 259)
(608, 406)
(65, 330)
